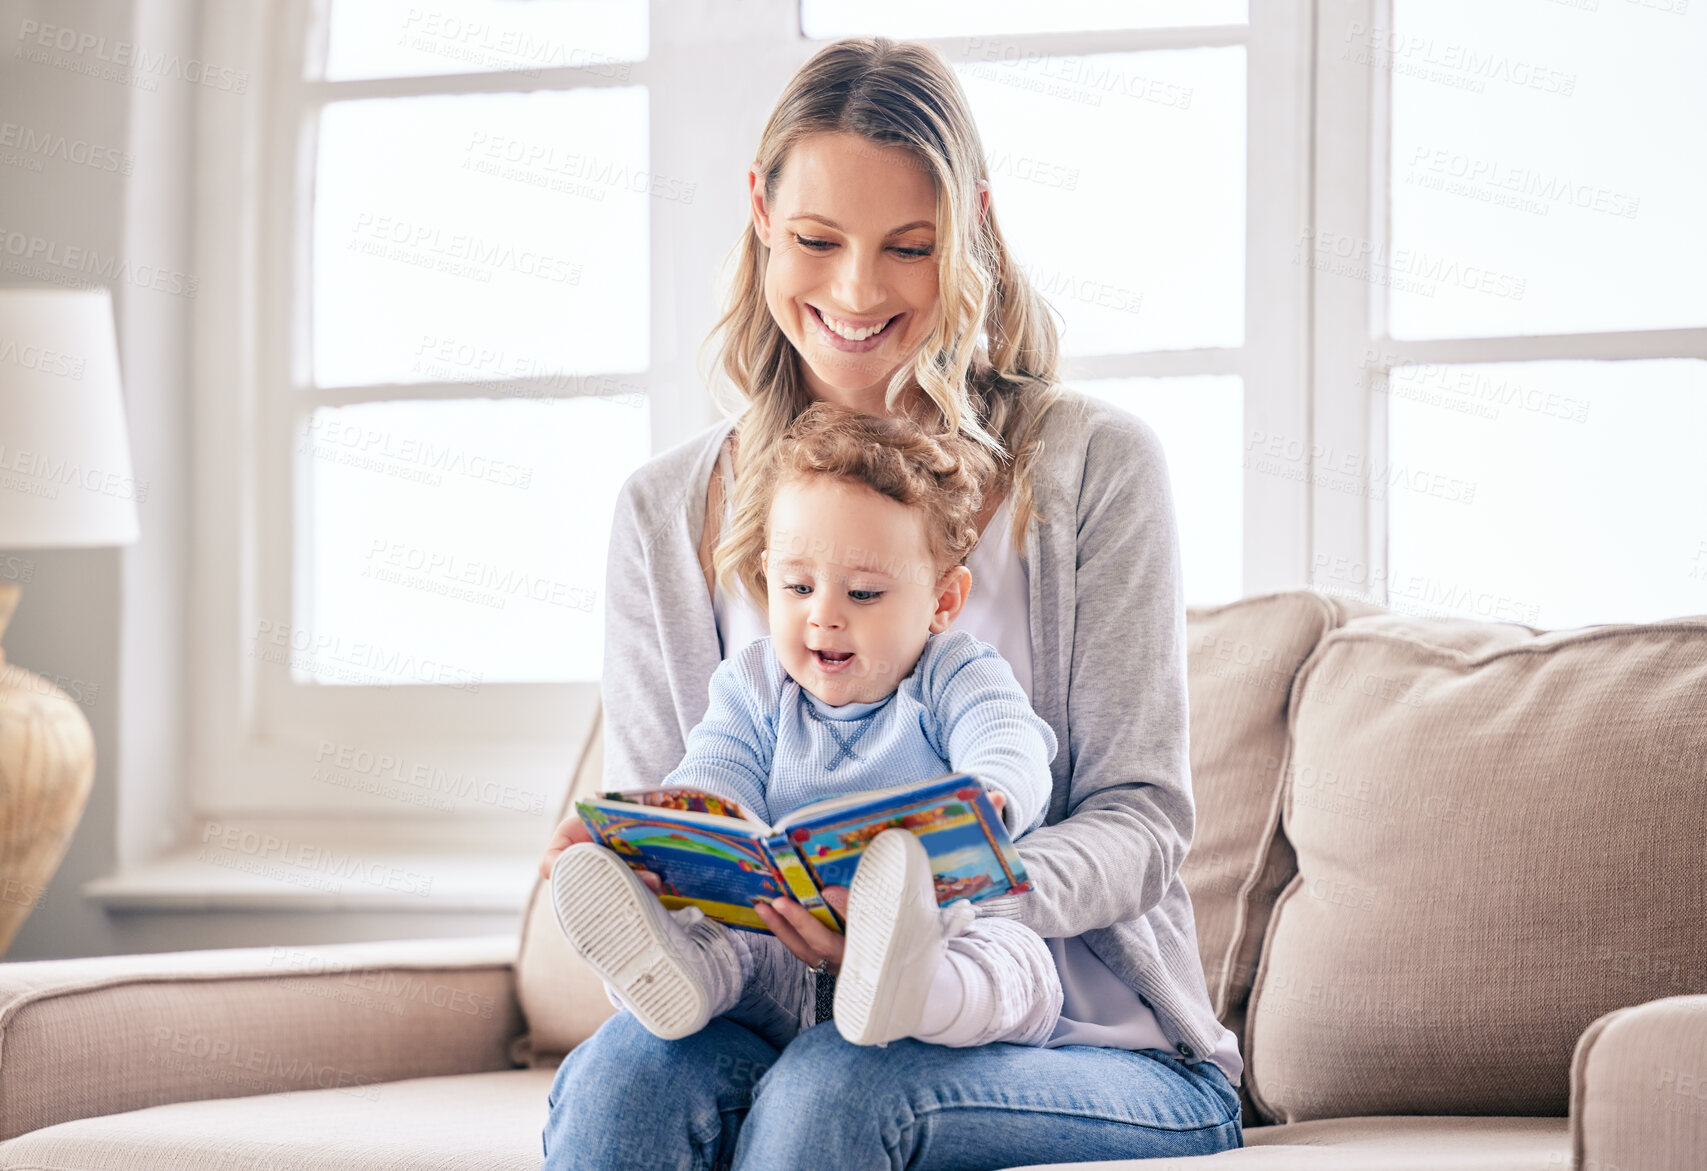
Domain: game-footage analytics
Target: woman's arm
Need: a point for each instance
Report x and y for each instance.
(1129, 814)
(643, 738)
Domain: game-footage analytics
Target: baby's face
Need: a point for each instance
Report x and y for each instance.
(849, 573)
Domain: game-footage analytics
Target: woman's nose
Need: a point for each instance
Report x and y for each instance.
(857, 286)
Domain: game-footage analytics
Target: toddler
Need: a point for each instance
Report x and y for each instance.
(861, 684)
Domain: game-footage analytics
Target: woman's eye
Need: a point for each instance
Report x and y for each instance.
(816, 245)
(792, 588)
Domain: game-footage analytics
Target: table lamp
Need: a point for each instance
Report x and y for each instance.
(65, 481)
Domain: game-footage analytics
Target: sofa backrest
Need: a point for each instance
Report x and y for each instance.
(1241, 661)
(562, 1000)
(1499, 837)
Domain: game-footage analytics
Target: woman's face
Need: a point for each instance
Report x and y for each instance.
(850, 573)
(851, 233)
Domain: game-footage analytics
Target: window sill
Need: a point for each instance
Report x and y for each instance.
(388, 880)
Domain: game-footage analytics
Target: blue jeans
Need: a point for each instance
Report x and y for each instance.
(724, 1097)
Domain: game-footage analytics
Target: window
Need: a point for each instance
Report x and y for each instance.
(1513, 398)
(1403, 287)
(482, 244)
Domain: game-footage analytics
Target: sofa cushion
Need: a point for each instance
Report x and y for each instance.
(562, 999)
(1499, 837)
(478, 1122)
(107, 1034)
(1241, 662)
(1395, 1143)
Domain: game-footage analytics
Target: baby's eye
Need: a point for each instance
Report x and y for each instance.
(874, 595)
(790, 588)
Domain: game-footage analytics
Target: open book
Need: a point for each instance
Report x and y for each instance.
(711, 854)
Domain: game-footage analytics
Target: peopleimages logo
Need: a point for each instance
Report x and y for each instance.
(53, 260)
(45, 144)
(89, 50)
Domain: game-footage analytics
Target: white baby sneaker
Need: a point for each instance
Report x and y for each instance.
(896, 940)
(674, 970)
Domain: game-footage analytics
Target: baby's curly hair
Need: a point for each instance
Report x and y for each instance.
(943, 474)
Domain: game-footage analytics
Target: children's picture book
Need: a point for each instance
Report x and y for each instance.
(711, 854)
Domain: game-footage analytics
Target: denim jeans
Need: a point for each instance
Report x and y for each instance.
(724, 1097)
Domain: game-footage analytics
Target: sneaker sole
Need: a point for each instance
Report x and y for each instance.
(865, 989)
(610, 918)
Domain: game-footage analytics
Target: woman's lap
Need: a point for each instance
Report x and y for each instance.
(630, 1099)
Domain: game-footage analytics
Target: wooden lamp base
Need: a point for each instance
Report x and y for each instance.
(47, 766)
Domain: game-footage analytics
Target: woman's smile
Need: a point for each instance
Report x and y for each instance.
(850, 345)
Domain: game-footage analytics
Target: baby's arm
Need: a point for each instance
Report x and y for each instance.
(988, 728)
(729, 751)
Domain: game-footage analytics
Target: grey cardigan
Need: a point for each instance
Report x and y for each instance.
(1108, 646)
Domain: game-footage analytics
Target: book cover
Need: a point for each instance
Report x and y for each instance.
(709, 853)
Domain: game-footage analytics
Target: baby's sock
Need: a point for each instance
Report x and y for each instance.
(960, 1005)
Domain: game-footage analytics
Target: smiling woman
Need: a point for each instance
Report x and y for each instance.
(871, 214)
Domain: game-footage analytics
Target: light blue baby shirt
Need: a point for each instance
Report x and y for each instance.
(771, 745)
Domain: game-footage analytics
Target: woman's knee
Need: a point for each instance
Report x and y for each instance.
(819, 1067)
(623, 1062)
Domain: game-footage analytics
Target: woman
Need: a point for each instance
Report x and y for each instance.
(874, 275)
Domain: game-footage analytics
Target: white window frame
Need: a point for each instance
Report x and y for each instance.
(255, 735)
(1352, 168)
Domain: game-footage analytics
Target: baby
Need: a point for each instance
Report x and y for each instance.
(861, 684)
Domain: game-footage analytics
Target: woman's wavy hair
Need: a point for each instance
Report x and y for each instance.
(990, 367)
(941, 475)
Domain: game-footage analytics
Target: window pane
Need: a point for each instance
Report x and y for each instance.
(461, 542)
(1198, 420)
(1580, 498)
(1548, 166)
(949, 18)
(516, 224)
(405, 38)
(1119, 181)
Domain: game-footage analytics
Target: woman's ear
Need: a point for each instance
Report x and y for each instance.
(761, 214)
(983, 186)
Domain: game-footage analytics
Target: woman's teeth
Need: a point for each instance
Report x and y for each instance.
(842, 329)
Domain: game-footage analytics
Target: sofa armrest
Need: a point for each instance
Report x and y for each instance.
(1639, 1088)
(86, 1037)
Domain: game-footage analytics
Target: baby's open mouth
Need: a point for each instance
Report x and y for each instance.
(834, 662)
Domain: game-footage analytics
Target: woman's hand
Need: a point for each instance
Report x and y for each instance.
(803, 935)
(572, 831)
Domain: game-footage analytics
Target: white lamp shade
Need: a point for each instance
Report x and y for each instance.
(65, 475)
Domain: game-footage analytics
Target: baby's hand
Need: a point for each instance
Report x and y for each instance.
(998, 801)
(572, 831)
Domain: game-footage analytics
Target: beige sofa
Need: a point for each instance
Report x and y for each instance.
(1451, 887)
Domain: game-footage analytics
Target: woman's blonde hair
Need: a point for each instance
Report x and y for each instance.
(994, 388)
(941, 475)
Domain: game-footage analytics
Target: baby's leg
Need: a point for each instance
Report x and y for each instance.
(940, 974)
(777, 989)
(673, 970)
(997, 982)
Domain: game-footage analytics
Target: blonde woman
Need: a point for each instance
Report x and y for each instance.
(874, 275)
